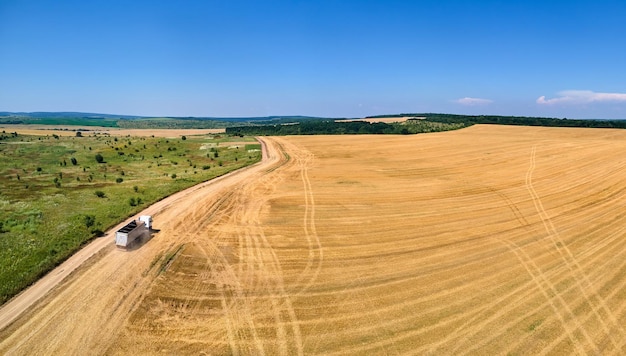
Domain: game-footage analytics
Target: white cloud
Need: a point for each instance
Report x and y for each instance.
(582, 97)
(473, 101)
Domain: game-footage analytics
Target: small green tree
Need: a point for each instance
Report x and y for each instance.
(99, 158)
(74, 161)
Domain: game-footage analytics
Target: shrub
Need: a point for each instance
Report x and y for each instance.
(174, 176)
(99, 158)
(74, 161)
(119, 180)
(90, 220)
(100, 194)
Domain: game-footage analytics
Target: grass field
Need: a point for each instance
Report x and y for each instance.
(486, 240)
(48, 201)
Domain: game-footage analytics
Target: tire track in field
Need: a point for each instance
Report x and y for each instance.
(512, 246)
(321, 322)
(304, 159)
(576, 271)
(271, 286)
(615, 290)
(459, 332)
(283, 303)
(189, 230)
(587, 316)
(237, 311)
(252, 270)
(526, 293)
(257, 275)
(284, 300)
(263, 274)
(424, 349)
(538, 277)
(520, 217)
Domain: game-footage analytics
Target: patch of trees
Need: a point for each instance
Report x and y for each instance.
(326, 127)
(314, 128)
(4, 136)
(172, 123)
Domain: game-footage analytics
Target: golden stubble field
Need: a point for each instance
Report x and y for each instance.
(487, 240)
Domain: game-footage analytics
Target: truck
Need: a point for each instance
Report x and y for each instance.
(135, 229)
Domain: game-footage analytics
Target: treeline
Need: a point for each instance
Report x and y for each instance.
(328, 127)
(469, 120)
(313, 128)
(205, 122)
(169, 123)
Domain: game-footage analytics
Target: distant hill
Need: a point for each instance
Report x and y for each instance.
(145, 122)
(52, 115)
(85, 115)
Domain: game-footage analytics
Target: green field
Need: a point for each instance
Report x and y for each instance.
(55, 196)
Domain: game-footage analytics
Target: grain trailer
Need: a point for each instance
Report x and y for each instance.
(133, 230)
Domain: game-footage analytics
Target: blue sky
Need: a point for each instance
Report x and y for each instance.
(320, 58)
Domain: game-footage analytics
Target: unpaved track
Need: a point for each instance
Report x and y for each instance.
(486, 240)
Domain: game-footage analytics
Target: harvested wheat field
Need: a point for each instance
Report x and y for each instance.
(486, 240)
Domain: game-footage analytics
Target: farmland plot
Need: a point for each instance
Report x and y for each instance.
(487, 240)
